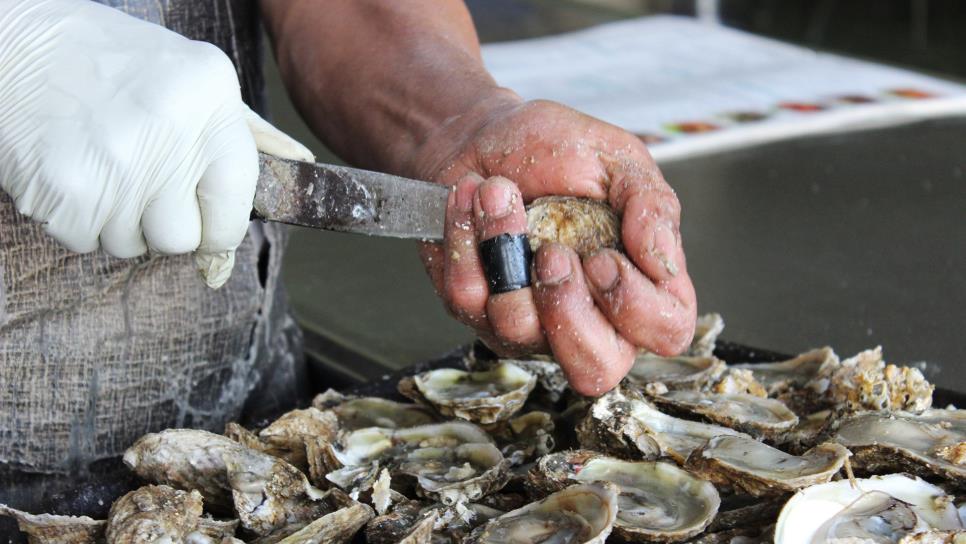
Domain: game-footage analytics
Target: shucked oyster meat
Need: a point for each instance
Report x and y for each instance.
(878, 509)
(932, 443)
(579, 514)
(759, 469)
(481, 397)
(658, 501)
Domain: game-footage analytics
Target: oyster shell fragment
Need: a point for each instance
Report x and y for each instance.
(759, 417)
(759, 469)
(658, 501)
(579, 514)
(930, 444)
(877, 509)
(53, 529)
(865, 382)
(481, 397)
(628, 426)
(581, 224)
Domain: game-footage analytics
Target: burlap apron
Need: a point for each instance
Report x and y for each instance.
(96, 351)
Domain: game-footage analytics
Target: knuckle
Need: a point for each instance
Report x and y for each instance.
(465, 297)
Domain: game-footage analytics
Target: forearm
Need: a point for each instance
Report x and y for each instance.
(376, 80)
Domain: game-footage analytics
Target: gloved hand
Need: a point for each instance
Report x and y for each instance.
(117, 133)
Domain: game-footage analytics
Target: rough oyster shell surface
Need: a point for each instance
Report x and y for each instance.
(658, 501)
(53, 529)
(579, 514)
(154, 513)
(759, 469)
(865, 382)
(581, 224)
(481, 397)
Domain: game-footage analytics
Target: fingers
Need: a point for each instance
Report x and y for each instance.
(593, 356)
(464, 287)
(171, 224)
(646, 315)
(498, 209)
(225, 194)
(122, 237)
(271, 140)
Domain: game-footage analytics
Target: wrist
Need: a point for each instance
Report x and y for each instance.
(444, 140)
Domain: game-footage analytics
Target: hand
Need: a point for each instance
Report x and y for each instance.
(596, 314)
(120, 134)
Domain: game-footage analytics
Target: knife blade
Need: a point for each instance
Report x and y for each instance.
(343, 199)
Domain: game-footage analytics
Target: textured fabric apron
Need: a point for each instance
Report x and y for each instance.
(96, 351)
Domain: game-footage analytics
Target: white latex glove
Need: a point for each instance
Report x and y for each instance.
(120, 134)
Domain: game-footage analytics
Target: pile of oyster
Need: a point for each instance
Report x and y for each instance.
(686, 449)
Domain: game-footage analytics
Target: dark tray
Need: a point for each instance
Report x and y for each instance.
(112, 479)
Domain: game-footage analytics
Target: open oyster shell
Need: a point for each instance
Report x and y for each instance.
(932, 443)
(658, 501)
(581, 224)
(361, 412)
(707, 329)
(550, 376)
(878, 509)
(456, 475)
(579, 514)
(759, 469)
(796, 374)
(675, 372)
(52, 529)
(525, 437)
(481, 397)
(759, 417)
(628, 426)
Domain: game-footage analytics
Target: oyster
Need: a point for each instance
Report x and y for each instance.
(865, 382)
(52, 529)
(481, 397)
(794, 374)
(158, 512)
(628, 426)
(525, 437)
(807, 433)
(268, 494)
(758, 469)
(287, 435)
(658, 501)
(878, 509)
(581, 224)
(338, 527)
(759, 417)
(930, 443)
(738, 381)
(579, 514)
(550, 376)
(675, 372)
(706, 331)
(456, 475)
(363, 446)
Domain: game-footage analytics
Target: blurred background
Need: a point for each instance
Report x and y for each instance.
(849, 240)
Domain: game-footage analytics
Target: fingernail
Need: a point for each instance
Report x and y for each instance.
(464, 194)
(496, 198)
(665, 247)
(602, 271)
(553, 266)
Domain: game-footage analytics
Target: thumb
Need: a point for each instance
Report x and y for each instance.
(273, 141)
(225, 194)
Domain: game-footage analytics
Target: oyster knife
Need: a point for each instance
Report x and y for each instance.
(339, 198)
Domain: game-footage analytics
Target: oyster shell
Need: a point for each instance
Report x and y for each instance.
(794, 374)
(157, 513)
(287, 435)
(579, 514)
(930, 443)
(675, 372)
(581, 224)
(456, 475)
(738, 381)
(481, 397)
(52, 529)
(363, 446)
(268, 494)
(550, 376)
(525, 437)
(337, 527)
(628, 426)
(758, 469)
(658, 501)
(759, 417)
(865, 382)
(880, 509)
(707, 329)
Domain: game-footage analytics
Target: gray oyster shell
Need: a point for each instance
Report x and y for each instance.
(53, 529)
(757, 416)
(481, 397)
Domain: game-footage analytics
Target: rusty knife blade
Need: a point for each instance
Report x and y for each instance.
(339, 198)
